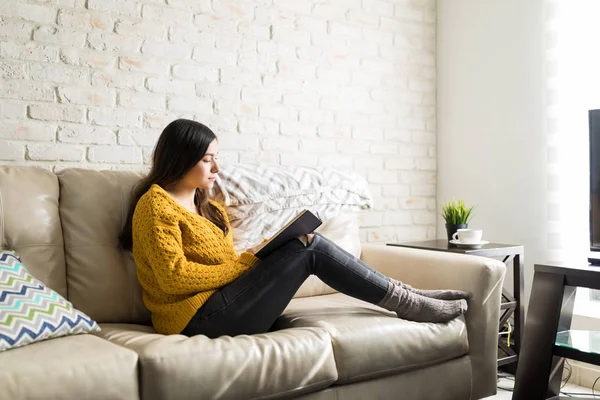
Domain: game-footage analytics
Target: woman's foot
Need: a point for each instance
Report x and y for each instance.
(437, 294)
(415, 307)
(434, 310)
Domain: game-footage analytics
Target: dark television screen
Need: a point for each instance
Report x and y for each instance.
(594, 117)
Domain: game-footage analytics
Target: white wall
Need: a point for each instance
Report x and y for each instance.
(345, 83)
(491, 141)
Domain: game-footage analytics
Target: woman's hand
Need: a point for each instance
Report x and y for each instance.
(253, 249)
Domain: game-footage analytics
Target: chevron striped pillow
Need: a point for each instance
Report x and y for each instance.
(30, 312)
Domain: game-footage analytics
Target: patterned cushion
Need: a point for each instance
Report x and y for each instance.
(31, 312)
(259, 199)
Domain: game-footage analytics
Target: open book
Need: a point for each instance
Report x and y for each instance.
(302, 224)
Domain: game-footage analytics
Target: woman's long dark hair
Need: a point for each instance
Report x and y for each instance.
(179, 148)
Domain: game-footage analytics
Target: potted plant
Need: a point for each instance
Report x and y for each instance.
(457, 216)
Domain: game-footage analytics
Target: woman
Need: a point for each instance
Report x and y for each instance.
(195, 283)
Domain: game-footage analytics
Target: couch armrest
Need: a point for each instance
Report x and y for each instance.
(480, 276)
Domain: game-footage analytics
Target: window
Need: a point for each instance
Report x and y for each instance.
(572, 72)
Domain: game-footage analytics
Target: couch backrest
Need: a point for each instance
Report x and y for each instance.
(101, 277)
(30, 223)
(72, 245)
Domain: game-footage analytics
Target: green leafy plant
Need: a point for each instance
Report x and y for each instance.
(455, 212)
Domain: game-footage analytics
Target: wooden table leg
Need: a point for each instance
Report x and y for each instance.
(535, 357)
(518, 293)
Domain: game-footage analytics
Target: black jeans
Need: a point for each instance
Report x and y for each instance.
(252, 302)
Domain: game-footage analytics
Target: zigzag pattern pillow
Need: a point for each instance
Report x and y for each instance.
(30, 312)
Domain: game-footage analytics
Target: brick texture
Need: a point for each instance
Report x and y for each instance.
(348, 84)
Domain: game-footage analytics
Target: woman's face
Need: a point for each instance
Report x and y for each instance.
(203, 174)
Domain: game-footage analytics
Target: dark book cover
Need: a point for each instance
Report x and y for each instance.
(302, 224)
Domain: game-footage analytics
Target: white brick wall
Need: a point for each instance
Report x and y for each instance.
(342, 83)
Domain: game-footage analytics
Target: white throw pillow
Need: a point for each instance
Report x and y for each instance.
(343, 231)
(259, 199)
(256, 189)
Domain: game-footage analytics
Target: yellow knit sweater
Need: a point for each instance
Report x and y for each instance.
(181, 258)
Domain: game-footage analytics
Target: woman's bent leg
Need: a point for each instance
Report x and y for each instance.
(251, 303)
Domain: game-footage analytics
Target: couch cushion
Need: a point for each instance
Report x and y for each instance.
(450, 380)
(72, 367)
(369, 341)
(30, 223)
(31, 312)
(102, 278)
(287, 362)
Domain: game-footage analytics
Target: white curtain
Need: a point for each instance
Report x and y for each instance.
(572, 71)
(573, 88)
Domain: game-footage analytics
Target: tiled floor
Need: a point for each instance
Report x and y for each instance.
(569, 389)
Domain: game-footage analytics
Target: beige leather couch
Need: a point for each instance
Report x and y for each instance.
(325, 346)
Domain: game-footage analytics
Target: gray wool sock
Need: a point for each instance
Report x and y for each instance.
(415, 307)
(436, 294)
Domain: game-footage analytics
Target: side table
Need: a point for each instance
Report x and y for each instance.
(510, 303)
(548, 338)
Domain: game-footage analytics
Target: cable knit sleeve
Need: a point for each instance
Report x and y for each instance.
(162, 246)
